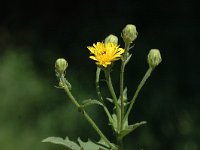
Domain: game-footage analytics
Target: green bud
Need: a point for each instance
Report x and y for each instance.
(129, 33)
(111, 39)
(154, 58)
(61, 65)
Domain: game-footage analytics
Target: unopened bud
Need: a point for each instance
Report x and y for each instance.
(111, 39)
(154, 58)
(61, 65)
(129, 33)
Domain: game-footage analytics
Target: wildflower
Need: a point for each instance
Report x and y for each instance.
(105, 54)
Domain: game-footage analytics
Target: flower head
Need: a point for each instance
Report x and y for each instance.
(111, 39)
(154, 58)
(61, 65)
(129, 33)
(105, 54)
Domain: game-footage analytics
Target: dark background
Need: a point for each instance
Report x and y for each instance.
(34, 33)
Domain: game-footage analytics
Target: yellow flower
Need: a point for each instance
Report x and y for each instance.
(105, 54)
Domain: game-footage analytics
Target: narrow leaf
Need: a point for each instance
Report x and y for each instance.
(128, 58)
(125, 99)
(114, 116)
(91, 102)
(109, 99)
(128, 129)
(136, 125)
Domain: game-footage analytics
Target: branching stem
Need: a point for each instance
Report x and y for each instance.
(89, 119)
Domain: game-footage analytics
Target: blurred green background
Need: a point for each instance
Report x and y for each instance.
(34, 33)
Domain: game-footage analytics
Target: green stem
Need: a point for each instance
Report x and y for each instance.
(100, 96)
(122, 82)
(71, 97)
(89, 119)
(120, 143)
(97, 85)
(146, 76)
(121, 91)
(112, 92)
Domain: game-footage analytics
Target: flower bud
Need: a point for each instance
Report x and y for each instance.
(129, 33)
(61, 65)
(111, 39)
(154, 58)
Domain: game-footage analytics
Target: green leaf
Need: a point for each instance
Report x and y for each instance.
(114, 116)
(64, 142)
(68, 84)
(128, 58)
(129, 128)
(91, 102)
(124, 97)
(90, 145)
(109, 99)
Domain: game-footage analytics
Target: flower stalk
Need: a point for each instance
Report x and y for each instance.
(89, 119)
(144, 79)
(98, 71)
(123, 63)
(114, 97)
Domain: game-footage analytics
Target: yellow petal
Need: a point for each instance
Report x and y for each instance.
(92, 57)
